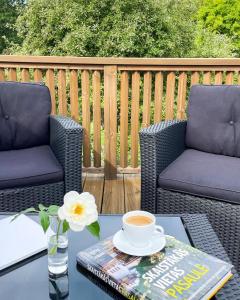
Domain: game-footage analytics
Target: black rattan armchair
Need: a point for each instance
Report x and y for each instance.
(40, 154)
(194, 166)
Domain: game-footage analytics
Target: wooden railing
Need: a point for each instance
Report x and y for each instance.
(114, 97)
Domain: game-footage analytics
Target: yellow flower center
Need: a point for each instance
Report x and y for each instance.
(78, 209)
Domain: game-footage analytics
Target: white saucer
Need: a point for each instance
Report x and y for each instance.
(157, 243)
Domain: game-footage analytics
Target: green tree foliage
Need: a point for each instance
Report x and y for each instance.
(9, 11)
(223, 17)
(150, 28)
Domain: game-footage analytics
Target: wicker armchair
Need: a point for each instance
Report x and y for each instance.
(62, 149)
(178, 178)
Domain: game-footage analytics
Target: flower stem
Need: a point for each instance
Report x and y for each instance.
(58, 229)
(54, 248)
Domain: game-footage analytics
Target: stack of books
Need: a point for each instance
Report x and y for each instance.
(177, 272)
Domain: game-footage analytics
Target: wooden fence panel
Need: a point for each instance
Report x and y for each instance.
(97, 118)
(158, 100)
(124, 120)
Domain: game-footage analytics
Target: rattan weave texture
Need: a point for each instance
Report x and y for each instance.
(160, 145)
(66, 143)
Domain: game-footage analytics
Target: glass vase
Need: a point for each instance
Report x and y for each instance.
(57, 248)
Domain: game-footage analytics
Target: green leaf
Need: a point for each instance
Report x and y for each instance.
(53, 250)
(65, 226)
(30, 209)
(44, 220)
(42, 207)
(94, 229)
(53, 209)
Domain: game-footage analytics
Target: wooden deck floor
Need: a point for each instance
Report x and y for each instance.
(114, 196)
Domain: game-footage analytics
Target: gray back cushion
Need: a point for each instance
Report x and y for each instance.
(214, 119)
(24, 115)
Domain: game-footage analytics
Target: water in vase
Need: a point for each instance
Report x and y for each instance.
(58, 254)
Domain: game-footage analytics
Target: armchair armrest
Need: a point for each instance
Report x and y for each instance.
(160, 145)
(66, 142)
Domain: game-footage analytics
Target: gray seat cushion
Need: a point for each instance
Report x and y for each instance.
(28, 167)
(205, 175)
(214, 119)
(24, 115)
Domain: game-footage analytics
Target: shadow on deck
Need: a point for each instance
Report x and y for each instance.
(114, 196)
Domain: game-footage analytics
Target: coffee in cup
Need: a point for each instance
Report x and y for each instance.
(139, 220)
(139, 227)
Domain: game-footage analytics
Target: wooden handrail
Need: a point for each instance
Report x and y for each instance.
(70, 60)
(113, 97)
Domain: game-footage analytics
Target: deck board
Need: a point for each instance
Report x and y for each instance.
(132, 192)
(94, 184)
(114, 196)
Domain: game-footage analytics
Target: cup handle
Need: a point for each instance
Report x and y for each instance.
(159, 229)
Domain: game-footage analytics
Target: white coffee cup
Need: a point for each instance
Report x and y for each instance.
(140, 235)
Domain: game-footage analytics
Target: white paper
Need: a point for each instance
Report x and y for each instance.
(19, 240)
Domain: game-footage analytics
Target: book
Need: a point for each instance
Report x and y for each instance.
(19, 240)
(179, 271)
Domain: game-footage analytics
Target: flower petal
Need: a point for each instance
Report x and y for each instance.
(71, 198)
(76, 227)
(87, 198)
(61, 214)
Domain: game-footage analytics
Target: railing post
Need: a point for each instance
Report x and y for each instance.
(110, 121)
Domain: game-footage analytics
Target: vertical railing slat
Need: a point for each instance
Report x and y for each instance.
(74, 94)
(218, 77)
(170, 95)
(147, 91)
(62, 97)
(207, 77)
(25, 75)
(229, 77)
(86, 118)
(12, 74)
(158, 94)
(97, 118)
(135, 118)
(194, 77)
(37, 75)
(2, 74)
(182, 85)
(110, 121)
(50, 82)
(124, 120)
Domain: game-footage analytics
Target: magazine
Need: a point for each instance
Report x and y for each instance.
(177, 272)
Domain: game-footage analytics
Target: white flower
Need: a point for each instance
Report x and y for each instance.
(79, 210)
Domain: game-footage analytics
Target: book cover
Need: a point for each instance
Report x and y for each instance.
(177, 272)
